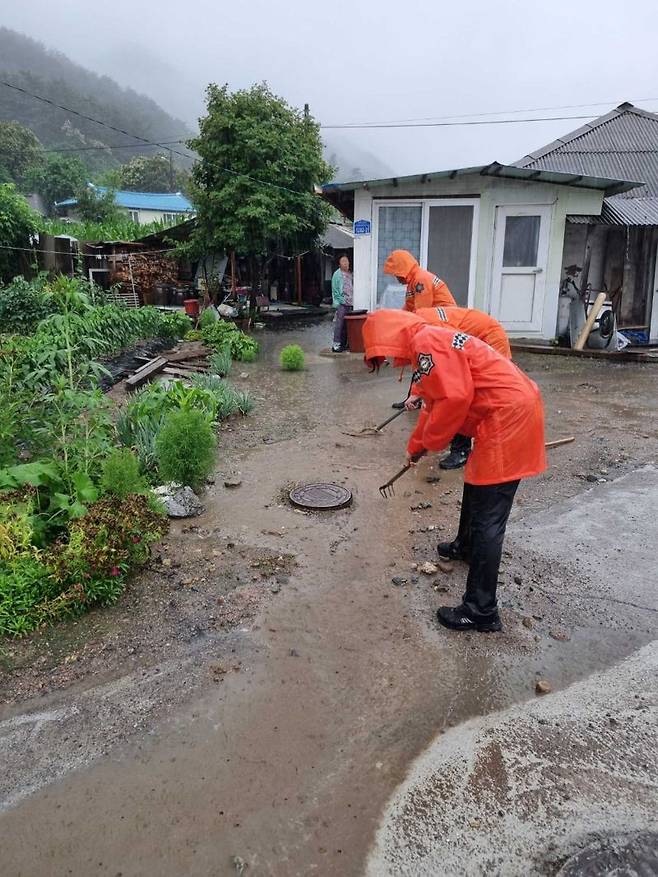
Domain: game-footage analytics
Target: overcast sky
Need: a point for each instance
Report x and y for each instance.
(375, 62)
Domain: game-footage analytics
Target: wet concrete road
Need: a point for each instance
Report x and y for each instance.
(343, 680)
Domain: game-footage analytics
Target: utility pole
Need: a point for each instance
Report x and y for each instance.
(171, 171)
(306, 112)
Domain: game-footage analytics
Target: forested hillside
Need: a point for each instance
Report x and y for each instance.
(30, 65)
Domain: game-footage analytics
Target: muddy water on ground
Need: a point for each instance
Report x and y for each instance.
(288, 763)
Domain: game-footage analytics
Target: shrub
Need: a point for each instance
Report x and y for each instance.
(186, 448)
(222, 333)
(121, 475)
(25, 585)
(140, 434)
(192, 335)
(23, 305)
(244, 402)
(208, 317)
(292, 358)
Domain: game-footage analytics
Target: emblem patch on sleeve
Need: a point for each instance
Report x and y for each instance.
(425, 364)
(459, 340)
(419, 287)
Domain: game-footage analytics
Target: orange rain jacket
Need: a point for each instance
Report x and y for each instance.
(471, 321)
(466, 388)
(424, 289)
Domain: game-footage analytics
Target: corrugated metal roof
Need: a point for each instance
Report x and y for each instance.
(167, 202)
(623, 211)
(611, 185)
(621, 144)
(337, 237)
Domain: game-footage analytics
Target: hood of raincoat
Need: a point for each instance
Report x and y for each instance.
(400, 263)
(388, 333)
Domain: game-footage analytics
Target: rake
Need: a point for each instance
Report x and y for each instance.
(375, 430)
(387, 490)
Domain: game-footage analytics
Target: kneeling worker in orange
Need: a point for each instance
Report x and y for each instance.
(468, 387)
(481, 326)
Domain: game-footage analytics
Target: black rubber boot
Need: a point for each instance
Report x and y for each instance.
(459, 618)
(452, 551)
(460, 448)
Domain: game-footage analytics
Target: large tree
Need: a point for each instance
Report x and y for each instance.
(149, 173)
(20, 150)
(57, 178)
(254, 184)
(18, 226)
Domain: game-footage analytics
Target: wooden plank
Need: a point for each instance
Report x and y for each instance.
(589, 322)
(145, 373)
(557, 442)
(588, 352)
(190, 354)
(179, 372)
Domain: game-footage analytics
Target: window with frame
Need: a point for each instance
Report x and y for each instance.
(170, 218)
(134, 216)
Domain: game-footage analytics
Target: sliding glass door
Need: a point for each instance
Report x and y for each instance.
(440, 233)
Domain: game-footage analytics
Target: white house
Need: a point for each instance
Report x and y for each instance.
(494, 233)
(141, 207)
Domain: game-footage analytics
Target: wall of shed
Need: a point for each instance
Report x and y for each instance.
(492, 193)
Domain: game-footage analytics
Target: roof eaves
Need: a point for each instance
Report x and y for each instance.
(567, 138)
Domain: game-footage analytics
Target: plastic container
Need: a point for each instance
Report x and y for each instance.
(355, 322)
(191, 307)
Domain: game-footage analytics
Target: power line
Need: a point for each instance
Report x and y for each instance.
(376, 125)
(510, 112)
(149, 142)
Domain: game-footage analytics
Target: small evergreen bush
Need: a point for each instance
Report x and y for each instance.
(185, 448)
(292, 358)
(121, 475)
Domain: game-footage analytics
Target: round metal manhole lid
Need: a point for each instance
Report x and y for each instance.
(320, 496)
(623, 856)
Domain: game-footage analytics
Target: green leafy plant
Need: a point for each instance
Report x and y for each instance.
(291, 358)
(121, 475)
(192, 335)
(23, 304)
(140, 434)
(208, 317)
(186, 448)
(222, 334)
(244, 402)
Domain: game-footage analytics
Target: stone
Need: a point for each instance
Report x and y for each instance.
(179, 501)
(527, 622)
(518, 579)
(592, 478)
(560, 635)
(445, 565)
(428, 568)
(399, 580)
(234, 480)
(275, 588)
(542, 686)
(244, 375)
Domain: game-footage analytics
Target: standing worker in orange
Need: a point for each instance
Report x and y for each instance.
(424, 289)
(468, 387)
(480, 325)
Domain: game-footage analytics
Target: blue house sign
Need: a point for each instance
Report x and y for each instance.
(362, 226)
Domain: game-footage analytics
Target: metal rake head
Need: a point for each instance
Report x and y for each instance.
(387, 490)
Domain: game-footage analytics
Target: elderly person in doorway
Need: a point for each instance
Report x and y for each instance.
(342, 296)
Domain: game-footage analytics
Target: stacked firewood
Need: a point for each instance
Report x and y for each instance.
(147, 270)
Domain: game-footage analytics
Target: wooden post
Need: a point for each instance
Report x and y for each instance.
(299, 280)
(233, 272)
(589, 322)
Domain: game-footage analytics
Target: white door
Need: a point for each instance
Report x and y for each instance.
(519, 267)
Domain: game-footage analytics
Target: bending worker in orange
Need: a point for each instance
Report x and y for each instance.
(468, 387)
(481, 326)
(424, 289)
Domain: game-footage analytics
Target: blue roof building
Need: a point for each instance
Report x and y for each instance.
(142, 207)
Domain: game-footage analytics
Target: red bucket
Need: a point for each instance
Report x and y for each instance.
(355, 323)
(191, 307)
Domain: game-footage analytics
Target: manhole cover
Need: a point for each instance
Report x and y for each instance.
(633, 855)
(320, 496)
